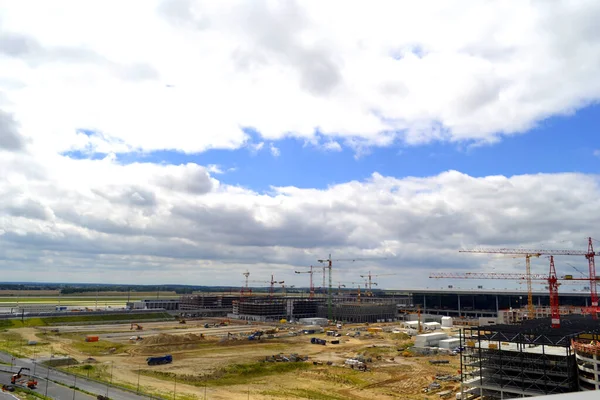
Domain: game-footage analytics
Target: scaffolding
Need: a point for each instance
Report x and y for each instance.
(375, 310)
(198, 301)
(276, 309)
(514, 361)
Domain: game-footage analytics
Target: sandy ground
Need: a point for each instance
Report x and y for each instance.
(390, 377)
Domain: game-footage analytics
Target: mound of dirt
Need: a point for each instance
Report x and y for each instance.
(165, 339)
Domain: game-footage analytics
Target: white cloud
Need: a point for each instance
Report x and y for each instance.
(332, 145)
(255, 147)
(275, 152)
(192, 78)
(166, 223)
(192, 73)
(597, 153)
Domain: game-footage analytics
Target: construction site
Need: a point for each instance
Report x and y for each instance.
(348, 342)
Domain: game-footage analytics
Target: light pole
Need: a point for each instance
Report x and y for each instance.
(111, 375)
(74, 387)
(138, 385)
(34, 363)
(47, 379)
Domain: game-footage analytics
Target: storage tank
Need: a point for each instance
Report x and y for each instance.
(447, 322)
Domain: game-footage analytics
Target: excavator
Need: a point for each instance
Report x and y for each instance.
(31, 383)
(136, 326)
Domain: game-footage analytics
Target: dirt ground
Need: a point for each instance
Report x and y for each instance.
(199, 352)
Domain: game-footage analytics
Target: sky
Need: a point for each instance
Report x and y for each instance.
(186, 142)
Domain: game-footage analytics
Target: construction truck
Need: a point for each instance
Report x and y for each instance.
(168, 359)
(136, 326)
(255, 335)
(18, 379)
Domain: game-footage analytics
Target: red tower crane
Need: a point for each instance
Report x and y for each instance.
(528, 253)
(552, 280)
(312, 286)
(370, 283)
(272, 282)
(592, 266)
(553, 287)
(246, 290)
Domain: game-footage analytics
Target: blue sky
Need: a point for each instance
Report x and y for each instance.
(558, 144)
(189, 87)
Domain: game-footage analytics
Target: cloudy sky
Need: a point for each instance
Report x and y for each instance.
(182, 141)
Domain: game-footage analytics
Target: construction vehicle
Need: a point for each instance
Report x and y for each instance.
(255, 335)
(167, 359)
(16, 379)
(318, 341)
(136, 326)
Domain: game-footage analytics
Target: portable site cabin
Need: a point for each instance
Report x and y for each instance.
(430, 339)
(450, 343)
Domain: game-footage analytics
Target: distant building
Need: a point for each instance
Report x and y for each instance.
(35, 308)
(374, 310)
(166, 304)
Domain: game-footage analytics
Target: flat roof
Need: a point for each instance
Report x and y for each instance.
(587, 395)
(539, 331)
(514, 347)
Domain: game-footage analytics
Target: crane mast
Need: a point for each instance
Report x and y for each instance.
(328, 263)
(528, 253)
(312, 286)
(553, 287)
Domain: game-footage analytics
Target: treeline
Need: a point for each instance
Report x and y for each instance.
(68, 289)
(28, 286)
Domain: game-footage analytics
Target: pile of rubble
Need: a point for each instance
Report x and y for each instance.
(282, 358)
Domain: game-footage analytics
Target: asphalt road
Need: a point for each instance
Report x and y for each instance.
(42, 372)
(6, 396)
(55, 391)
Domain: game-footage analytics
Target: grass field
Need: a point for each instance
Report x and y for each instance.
(56, 293)
(90, 300)
(46, 321)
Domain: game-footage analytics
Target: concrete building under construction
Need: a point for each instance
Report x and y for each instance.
(530, 359)
(293, 308)
(211, 301)
(368, 310)
(289, 308)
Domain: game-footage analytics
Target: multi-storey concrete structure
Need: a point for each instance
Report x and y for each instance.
(528, 359)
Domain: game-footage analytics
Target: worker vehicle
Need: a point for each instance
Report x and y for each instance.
(255, 335)
(167, 359)
(136, 326)
(318, 341)
(18, 379)
(8, 388)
